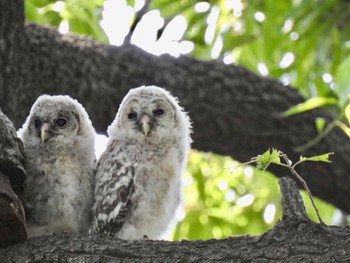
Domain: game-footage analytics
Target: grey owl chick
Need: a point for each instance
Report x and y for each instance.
(59, 145)
(138, 177)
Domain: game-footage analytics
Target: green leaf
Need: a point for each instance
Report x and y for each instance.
(264, 160)
(309, 105)
(318, 158)
(320, 124)
(342, 81)
(344, 127)
(130, 3)
(42, 3)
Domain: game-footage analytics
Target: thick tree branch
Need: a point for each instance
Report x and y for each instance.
(292, 240)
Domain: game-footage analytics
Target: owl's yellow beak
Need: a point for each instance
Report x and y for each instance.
(44, 132)
(145, 123)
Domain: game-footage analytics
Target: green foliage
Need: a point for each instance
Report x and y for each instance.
(303, 43)
(326, 210)
(263, 31)
(309, 105)
(264, 160)
(82, 16)
(342, 86)
(274, 156)
(280, 158)
(319, 158)
(222, 199)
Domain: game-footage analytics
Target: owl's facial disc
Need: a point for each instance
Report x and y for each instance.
(146, 116)
(54, 127)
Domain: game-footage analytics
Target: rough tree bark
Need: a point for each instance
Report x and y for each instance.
(12, 163)
(294, 239)
(234, 111)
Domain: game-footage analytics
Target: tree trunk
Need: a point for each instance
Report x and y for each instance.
(294, 239)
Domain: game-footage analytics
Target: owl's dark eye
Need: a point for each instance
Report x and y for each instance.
(37, 123)
(132, 116)
(60, 122)
(158, 112)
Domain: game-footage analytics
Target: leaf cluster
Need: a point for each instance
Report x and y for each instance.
(79, 16)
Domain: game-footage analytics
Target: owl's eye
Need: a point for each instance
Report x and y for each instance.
(60, 122)
(158, 112)
(132, 116)
(37, 123)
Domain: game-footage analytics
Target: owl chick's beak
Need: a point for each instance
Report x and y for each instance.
(145, 123)
(44, 134)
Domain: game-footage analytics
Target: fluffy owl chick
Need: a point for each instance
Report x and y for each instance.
(138, 177)
(59, 144)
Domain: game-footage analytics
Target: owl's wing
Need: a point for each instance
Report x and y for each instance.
(114, 188)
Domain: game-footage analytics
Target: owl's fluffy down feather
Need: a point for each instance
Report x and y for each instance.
(138, 177)
(59, 144)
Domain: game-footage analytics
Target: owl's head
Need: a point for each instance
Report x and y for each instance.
(149, 113)
(57, 118)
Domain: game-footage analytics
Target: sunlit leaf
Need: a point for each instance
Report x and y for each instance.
(318, 158)
(345, 128)
(347, 112)
(325, 209)
(42, 3)
(309, 105)
(264, 160)
(320, 124)
(342, 86)
(130, 2)
(83, 16)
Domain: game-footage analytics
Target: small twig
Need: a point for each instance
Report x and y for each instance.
(297, 176)
(138, 18)
(241, 165)
(321, 135)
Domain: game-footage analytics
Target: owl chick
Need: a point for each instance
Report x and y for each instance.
(138, 177)
(59, 145)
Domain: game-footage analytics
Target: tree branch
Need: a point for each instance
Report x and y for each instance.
(293, 239)
(138, 18)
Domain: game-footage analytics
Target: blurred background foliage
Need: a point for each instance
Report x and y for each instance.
(303, 43)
